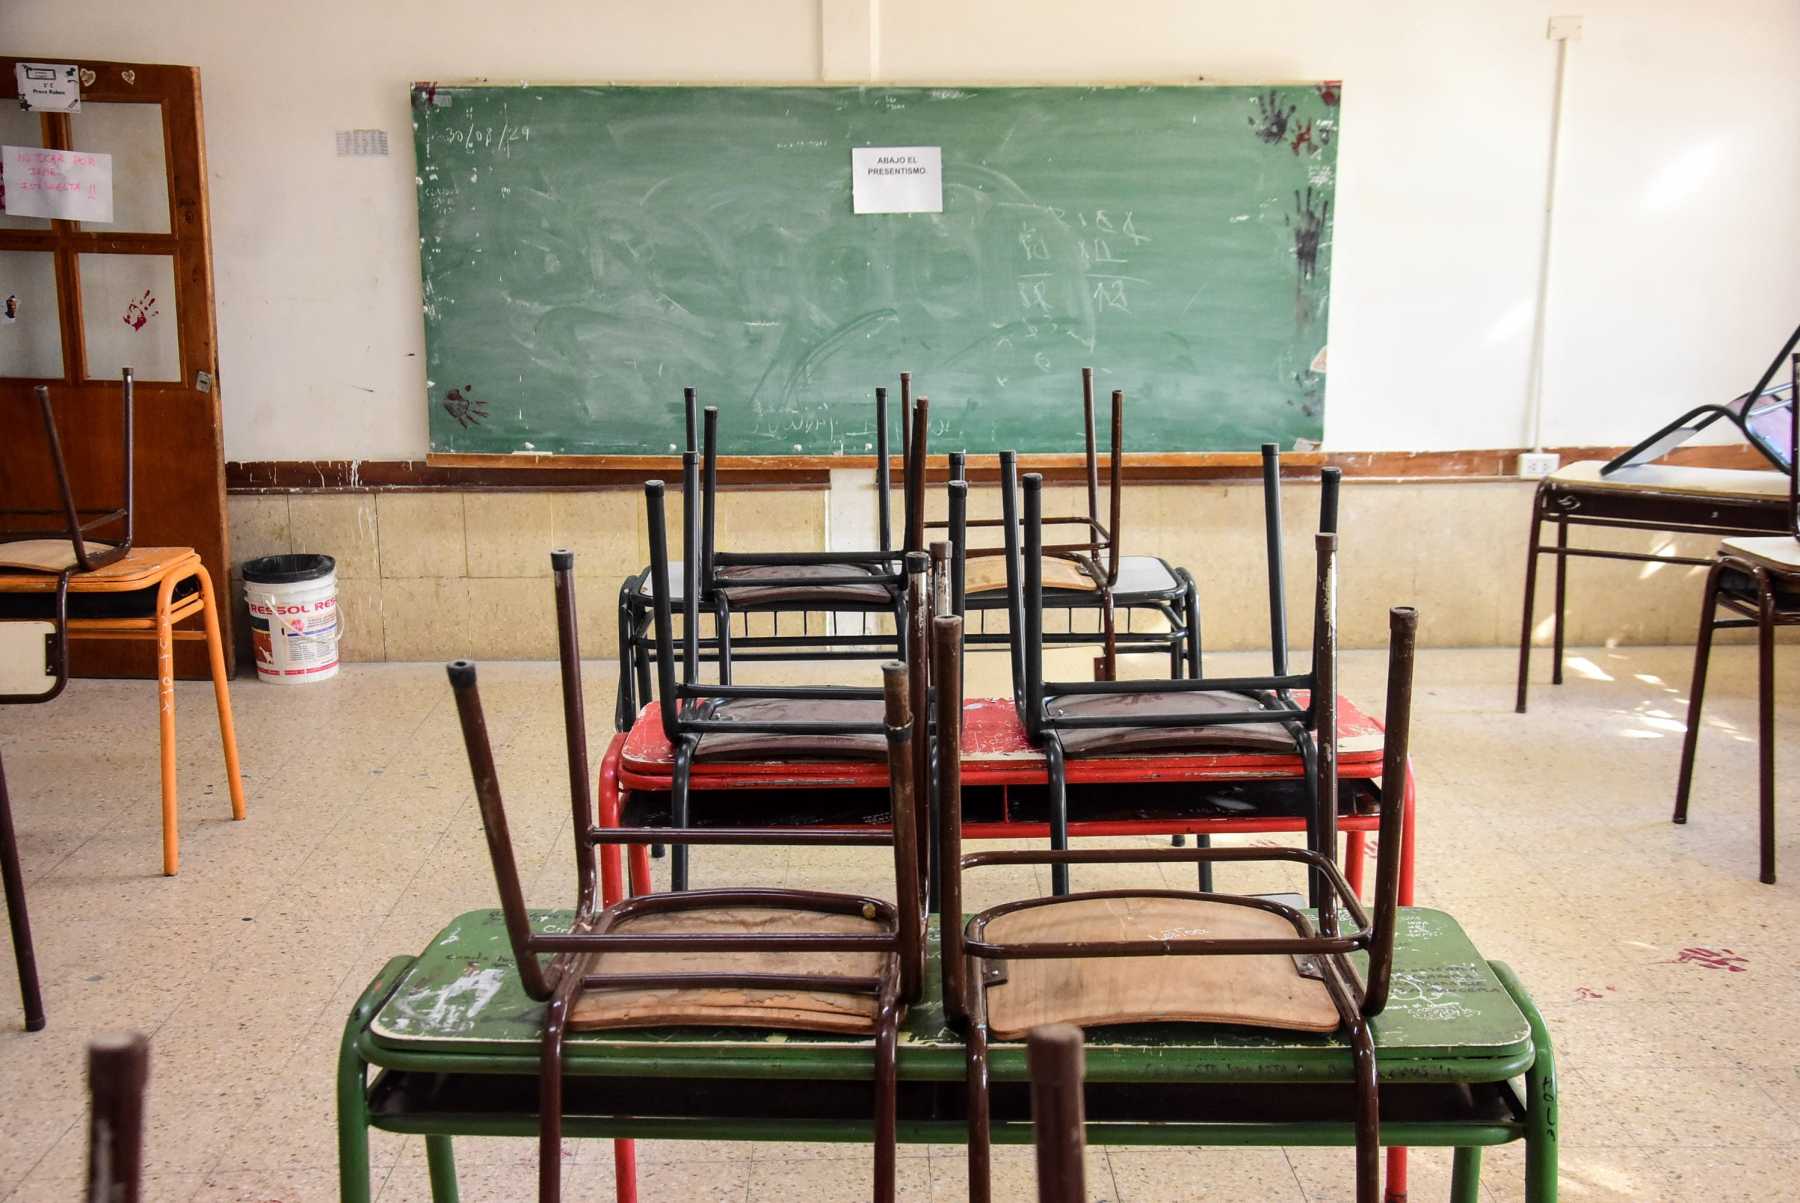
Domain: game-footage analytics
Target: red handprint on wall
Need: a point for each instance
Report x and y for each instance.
(140, 311)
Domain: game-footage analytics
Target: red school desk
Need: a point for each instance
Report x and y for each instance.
(996, 753)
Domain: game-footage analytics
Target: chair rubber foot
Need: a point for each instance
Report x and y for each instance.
(35, 1025)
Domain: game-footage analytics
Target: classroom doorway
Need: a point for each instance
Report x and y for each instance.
(87, 298)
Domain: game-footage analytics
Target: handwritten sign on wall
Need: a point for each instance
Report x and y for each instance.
(75, 185)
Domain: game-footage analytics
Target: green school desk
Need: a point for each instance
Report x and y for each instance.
(453, 1044)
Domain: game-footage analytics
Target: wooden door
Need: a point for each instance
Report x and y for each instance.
(88, 299)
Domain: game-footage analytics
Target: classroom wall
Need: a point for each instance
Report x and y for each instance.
(1672, 279)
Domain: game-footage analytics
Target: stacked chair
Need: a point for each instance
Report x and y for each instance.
(1175, 716)
(1149, 956)
(766, 958)
(1087, 574)
(799, 585)
(1036, 968)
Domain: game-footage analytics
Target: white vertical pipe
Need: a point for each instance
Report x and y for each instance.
(1535, 386)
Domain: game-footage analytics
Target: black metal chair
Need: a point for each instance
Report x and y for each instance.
(1179, 714)
(1756, 578)
(1127, 956)
(802, 586)
(760, 958)
(1764, 416)
(34, 643)
(726, 721)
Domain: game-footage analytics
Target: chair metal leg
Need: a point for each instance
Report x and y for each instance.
(1203, 840)
(1368, 1115)
(1531, 563)
(1356, 852)
(215, 653)
(1765, 721)
(1465, 1176)
(679, 785)
(887, 1038)
(1191, 601)
(165, 706)
(556, 1014)
(1709, 604)
(980, 1183)
(1056, 770)
(30, 995)
(1562, 573)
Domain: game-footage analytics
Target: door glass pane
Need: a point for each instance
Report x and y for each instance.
(128, 316)
(19, 128)
(30, 335)
(133, 135)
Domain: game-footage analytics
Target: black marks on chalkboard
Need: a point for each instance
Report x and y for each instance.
(1271, 119)
(463, 405)
(1308, 223)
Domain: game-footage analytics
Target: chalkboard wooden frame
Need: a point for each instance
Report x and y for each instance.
(1270, 122)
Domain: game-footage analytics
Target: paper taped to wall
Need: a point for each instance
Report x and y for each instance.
(75, 185)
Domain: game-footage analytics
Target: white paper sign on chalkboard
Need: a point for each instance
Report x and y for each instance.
(897, 179)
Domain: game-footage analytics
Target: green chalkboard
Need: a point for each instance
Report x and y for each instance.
(588, 251)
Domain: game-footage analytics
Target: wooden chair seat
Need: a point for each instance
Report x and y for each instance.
(45, 555)
(1777, 553)
(811, 1011)
(1129, 740)
(1741, 483)
(139, 568)
(987, 574)
(756, 745)
(740, 596)
(1256, 991)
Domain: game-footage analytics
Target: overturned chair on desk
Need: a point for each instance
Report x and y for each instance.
(797, 585)
(760, 958)
(1087, 573)
(1148, 956)
(1180, 715)
(726, 722)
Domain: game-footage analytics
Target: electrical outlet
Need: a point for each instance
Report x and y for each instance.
(1535, 464)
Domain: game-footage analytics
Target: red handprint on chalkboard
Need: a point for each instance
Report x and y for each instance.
(140, 311)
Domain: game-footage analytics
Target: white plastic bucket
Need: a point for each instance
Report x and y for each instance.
(294, 622)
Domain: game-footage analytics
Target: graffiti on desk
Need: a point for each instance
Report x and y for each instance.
(1437, 992)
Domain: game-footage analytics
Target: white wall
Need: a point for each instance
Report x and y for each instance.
(1676, 242)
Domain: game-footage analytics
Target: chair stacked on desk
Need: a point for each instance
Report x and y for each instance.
(802, 586)
(772, 763)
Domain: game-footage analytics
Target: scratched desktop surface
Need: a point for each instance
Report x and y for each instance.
(588, 251)
(462, 995)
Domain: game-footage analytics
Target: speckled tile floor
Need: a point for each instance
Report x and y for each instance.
(1666, 972)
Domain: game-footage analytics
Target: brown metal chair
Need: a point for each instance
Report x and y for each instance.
(31, 538)
(1053, 1054)
(757, 958)
(1756, 578)
(1081, 958)
(118, 1071)
(1075, 719)
(1089, 565)
(736, 722)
